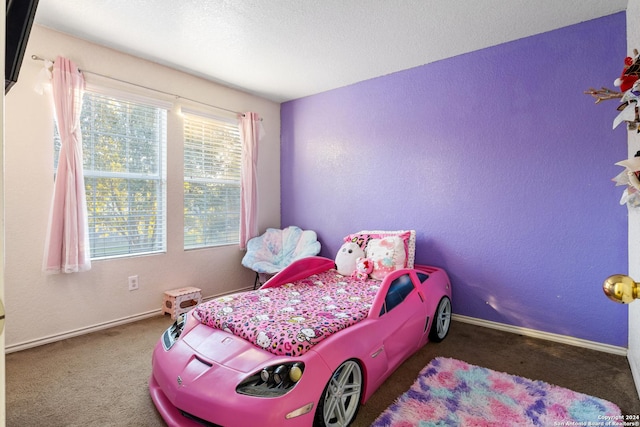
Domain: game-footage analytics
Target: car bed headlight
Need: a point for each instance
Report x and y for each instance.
(272, 381)
(171, 335)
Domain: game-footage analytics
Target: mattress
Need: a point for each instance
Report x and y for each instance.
(290, 319)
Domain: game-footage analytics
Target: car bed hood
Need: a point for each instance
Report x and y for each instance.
(218, 346)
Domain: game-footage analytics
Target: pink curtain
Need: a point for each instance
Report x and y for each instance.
(67, 241)
(251, 131)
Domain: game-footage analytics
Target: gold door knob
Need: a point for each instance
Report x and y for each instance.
(621, 288)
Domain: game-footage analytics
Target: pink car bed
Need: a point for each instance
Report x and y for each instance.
(307, 348)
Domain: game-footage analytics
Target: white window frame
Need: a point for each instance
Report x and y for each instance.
(224, 216)
(97, 237)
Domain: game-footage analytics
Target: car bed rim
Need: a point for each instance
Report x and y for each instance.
(343, 395)
(444, 317)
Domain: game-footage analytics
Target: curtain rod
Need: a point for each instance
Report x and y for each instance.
(37, 58)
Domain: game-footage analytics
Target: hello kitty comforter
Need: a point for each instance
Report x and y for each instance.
(290, 319)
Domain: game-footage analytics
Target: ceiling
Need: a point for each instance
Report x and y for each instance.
(288, 49)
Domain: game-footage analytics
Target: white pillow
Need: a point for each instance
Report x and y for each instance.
(387, 255)
(408, 236)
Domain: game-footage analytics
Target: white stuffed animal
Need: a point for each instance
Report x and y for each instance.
(346, 258)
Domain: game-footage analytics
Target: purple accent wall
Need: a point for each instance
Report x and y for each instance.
(499, 162)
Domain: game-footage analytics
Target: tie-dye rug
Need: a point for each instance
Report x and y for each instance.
(450, 392)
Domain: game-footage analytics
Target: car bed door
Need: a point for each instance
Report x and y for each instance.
(405, 313)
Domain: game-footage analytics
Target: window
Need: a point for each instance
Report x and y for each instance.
(399, 289)
(124, 151)
(212, 168)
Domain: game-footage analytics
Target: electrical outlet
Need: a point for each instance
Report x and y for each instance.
(133, 283)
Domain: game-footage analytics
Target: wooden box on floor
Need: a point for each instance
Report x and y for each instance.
(178, 301)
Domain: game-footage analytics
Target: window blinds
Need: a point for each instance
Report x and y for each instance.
(212, 168)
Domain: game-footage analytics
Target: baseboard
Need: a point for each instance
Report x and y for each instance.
(634, 364)
(94, 328)
(81, 331)
(563, 339)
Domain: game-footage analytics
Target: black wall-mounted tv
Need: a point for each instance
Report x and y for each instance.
(20, 14)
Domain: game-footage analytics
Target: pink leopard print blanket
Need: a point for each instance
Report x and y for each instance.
(290, 319)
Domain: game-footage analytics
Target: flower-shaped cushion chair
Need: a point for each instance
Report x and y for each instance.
(275, 249)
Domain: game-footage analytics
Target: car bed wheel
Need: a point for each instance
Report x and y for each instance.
(340, 400)
(441, 320)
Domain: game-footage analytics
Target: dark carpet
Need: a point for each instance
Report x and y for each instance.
(100, 379)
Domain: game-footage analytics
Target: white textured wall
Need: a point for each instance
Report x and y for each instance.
(44, 307)
(3, 413)
(633, 42)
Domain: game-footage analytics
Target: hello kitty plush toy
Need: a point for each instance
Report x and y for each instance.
(346, 258)
(364, 267)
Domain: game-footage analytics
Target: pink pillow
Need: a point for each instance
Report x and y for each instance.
(408, 237)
